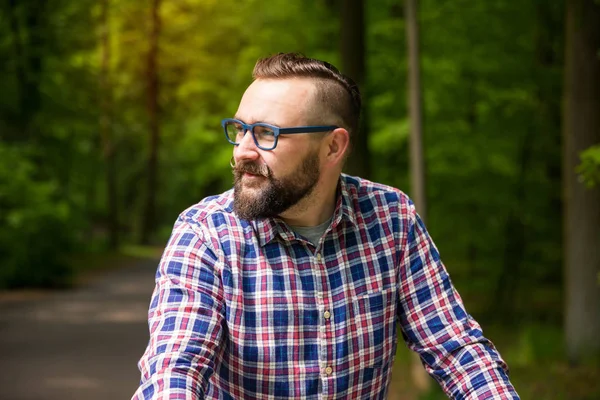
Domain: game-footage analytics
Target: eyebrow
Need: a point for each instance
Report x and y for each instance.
(256, 122)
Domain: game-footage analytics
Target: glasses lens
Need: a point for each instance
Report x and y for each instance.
(265, 136)
(234, 131)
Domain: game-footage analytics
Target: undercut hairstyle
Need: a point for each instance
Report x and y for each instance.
(336, 92)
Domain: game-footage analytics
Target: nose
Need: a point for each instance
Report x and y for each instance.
(246, 149)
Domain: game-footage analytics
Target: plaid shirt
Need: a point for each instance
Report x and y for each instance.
(251, 310)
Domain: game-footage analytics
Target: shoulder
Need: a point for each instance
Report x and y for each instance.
(212, 216)
(363, 191)
(209, 208)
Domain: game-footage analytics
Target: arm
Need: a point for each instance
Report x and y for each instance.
(436, 325)
(186, 319)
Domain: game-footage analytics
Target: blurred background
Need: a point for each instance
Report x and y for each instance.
(110, 127)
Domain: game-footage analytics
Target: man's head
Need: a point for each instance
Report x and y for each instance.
(291, 91)
(337, 98)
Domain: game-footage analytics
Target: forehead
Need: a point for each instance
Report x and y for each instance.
(283, 102)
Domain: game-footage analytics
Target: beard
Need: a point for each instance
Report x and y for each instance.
(273, 196)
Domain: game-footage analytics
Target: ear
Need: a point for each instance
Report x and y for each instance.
(337, 145)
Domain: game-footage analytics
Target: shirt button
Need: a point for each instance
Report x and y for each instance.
(328, 370)
(319, 257)
(327, 315)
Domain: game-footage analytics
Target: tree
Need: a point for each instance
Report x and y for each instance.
(581, 130)
(108, 149)
(547, 58)
(149, 217)
(28, 30)
(352, 47)
(417, 163)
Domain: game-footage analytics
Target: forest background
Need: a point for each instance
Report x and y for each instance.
(110, 127)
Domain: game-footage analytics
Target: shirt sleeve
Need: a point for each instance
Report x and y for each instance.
(185, 319)
(436, 325)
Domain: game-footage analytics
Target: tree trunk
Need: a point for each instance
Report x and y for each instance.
(20, 69)
(149, 216)
(352, 47)
(108, 149)
(36, 25)
(417, 164)
(581, 129)
(28, 44)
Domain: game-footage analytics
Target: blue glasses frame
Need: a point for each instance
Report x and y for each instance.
(276, 131)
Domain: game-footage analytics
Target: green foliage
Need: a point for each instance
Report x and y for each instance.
(50, 106)
(491, 92)
(34, 226)
(491, 81)
(589, 169)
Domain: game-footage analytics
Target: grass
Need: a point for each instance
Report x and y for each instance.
(538, 368)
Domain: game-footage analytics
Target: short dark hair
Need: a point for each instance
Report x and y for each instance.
(336, 91)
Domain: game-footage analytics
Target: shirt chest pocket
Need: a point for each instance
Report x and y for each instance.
(375, 323)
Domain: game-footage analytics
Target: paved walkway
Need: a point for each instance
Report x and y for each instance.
(78, 344)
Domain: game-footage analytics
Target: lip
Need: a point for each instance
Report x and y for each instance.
(252, 176)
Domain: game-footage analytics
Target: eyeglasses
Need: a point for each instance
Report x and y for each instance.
(265, 135)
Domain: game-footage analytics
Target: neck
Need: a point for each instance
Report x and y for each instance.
(315, 208)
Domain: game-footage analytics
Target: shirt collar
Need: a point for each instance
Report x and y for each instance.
(267, 229)
(345, 206)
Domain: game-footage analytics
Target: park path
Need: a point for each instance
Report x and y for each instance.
(78, 344)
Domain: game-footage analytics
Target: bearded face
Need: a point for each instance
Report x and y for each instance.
(265, 196)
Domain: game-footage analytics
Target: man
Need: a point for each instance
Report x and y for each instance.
(291, 285)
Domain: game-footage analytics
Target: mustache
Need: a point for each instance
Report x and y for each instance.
(252, 168)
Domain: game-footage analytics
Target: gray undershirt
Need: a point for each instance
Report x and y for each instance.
(312, 233)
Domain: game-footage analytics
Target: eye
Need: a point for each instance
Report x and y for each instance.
(264, 132)
(238, 128)
(235, 131)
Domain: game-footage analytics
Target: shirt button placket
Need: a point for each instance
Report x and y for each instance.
(326, 369)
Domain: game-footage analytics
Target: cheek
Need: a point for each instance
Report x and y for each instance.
(287, 157)
(284, 165)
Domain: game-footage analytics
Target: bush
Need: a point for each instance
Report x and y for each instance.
(589, 169)
(34, 226)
